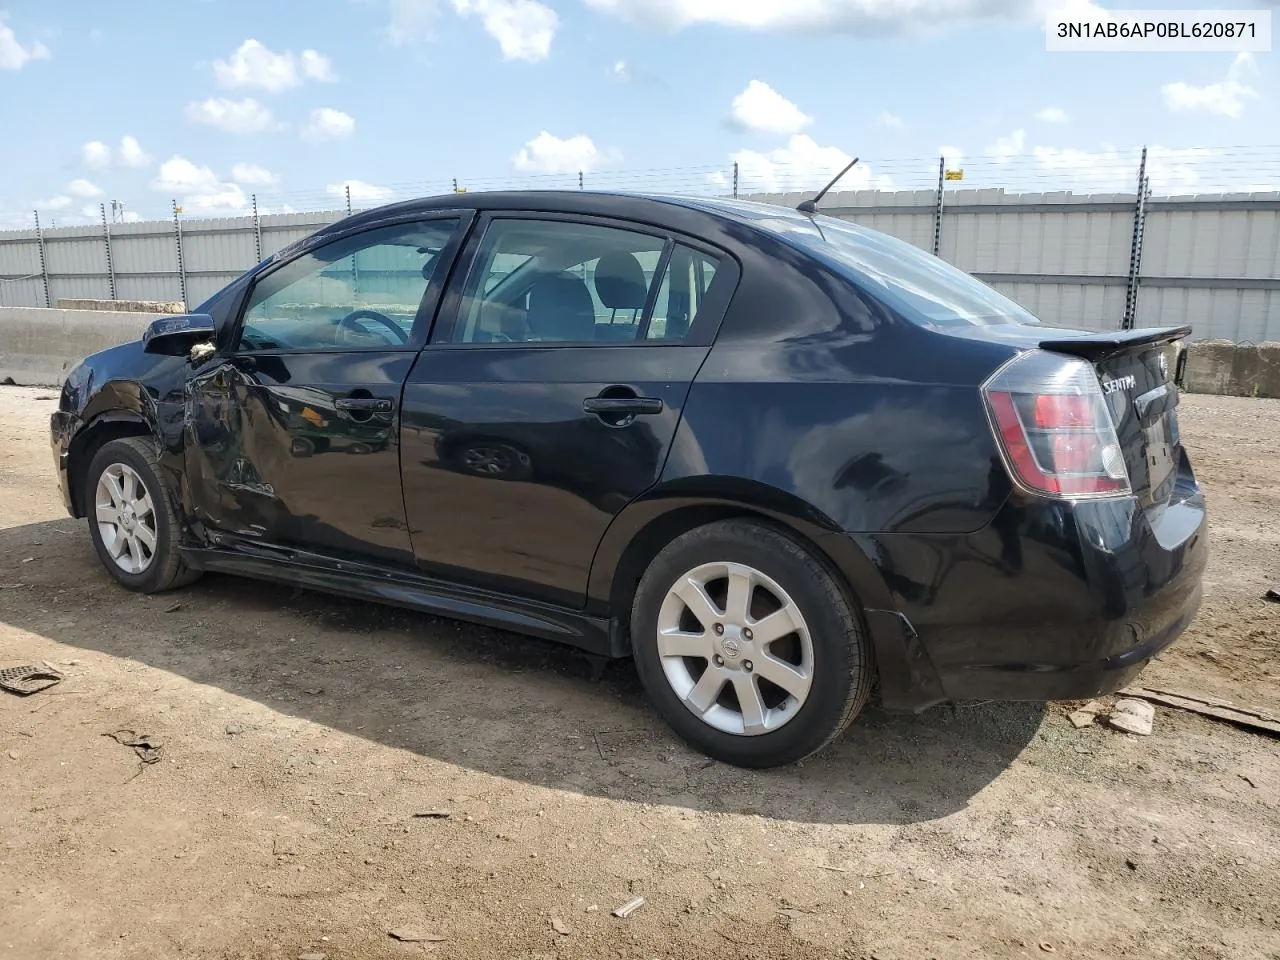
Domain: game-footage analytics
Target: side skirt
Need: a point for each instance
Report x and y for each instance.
(600, 636)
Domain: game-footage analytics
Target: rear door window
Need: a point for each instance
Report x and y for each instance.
(563, 281)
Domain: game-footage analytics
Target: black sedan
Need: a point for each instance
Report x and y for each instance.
(778, 459)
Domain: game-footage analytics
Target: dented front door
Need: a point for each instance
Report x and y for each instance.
(277, 454)
(291, 430)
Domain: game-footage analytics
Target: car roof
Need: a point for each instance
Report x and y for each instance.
(768, 218)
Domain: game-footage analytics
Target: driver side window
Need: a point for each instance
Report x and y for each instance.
(356, 292)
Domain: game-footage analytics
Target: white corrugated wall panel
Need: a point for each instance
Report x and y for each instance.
(228, 249)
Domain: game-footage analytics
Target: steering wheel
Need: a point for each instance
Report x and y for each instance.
(351, 322)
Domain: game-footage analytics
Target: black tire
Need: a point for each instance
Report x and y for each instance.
(502, 461)
(843, 671)
(166, 570)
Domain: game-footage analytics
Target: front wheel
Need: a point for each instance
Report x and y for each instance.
(748, 646)
(131, 520)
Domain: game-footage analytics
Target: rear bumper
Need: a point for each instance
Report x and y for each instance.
(1051, 601)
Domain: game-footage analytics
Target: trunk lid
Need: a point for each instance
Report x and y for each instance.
(1139, 372)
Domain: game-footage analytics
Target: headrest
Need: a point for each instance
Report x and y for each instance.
(620, 282)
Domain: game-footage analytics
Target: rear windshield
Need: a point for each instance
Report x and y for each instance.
(915, 283)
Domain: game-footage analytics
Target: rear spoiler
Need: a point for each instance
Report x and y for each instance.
(1099, 346)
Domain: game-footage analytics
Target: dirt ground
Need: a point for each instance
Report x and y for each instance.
(300, 735)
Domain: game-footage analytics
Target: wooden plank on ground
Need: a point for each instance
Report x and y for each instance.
(1245, 717)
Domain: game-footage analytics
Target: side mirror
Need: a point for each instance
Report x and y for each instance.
(175, 336)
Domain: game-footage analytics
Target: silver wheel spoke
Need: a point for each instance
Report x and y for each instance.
(107, 513)
(706, 691)
(784, 675)
(694, 595)
(681, 644)
(116, 545)
(113, 489)
(147, 537)
(750, 702)
(135, 555)
(129, 485)
(777, 625)
(737, 605)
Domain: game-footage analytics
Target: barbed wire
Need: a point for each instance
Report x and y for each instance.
(1170, 172)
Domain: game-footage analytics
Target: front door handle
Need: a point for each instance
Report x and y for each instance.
(622, 406)
(363, 404)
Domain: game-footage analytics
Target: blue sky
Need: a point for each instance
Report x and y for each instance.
(221, 99)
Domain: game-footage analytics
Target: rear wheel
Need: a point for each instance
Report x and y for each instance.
(131, 520)
(748, 646)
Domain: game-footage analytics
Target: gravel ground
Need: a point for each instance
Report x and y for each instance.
(300, 735)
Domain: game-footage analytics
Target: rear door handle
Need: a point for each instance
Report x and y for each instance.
(363, 404)
(623, 406)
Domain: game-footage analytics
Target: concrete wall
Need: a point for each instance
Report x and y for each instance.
(1211, 260)
(1235, 370)
(39, 347)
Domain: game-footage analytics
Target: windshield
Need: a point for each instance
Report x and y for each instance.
(919, 285)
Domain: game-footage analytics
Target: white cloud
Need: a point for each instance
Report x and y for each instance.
(1006, 148)
(178, 174)
(132, 154)
(891, 120)
(411, 20)
(361, 192)
(801, 165)
(1226, 98)
(15, 56)
(621, 70)
(95, 154)
(761, 108)
(316, 66)
(1052, 115)
(864, 17)
(84, 188)
(131, 216)
(1109, 169)
(547, 153)
(250, 174)
(232, 116)
(199, 190)
(253, 65)
(91, 210)
(327, 123)
(524, 29)
(952, 154)
(60, 202)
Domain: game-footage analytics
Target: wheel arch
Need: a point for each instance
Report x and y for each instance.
(647, 525)
(89, 439)
(904, 672)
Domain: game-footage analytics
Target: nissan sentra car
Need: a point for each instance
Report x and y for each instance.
(778, 459)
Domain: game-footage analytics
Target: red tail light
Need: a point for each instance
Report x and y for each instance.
(1054, 427)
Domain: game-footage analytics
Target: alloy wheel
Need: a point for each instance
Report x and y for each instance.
(126, 518)
(735, 648)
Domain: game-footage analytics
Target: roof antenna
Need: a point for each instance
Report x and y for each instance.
(811, 206)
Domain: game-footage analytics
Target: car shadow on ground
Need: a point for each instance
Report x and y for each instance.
(487, 700)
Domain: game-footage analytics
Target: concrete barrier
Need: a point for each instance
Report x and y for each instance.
(1233, 369)
(124, 306)
(39, 346)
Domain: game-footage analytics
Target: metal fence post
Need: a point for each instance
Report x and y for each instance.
(348, 199)
(106, 242)
(1135, 250)
(579, 179)
(44, 264)
(257, 231)
(937, 207)
(182, 268)
(735, 179)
